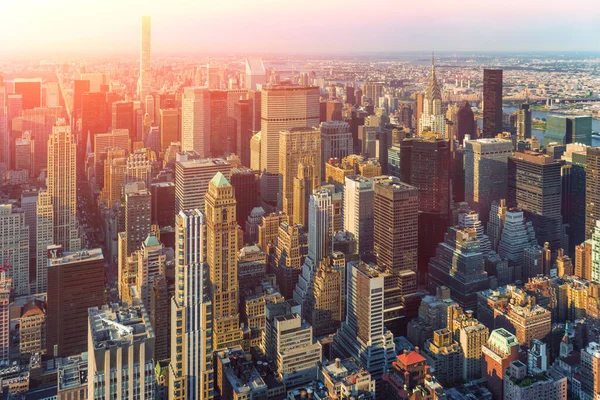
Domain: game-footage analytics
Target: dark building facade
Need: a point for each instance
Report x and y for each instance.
(75, 283)
(163, 203)
(592, 194)
(492, 102)
(31, 92)
(95, 117)
(535, 186)
(219, 140)
(465, 122)
(123, 117)
(246, 184)
(243, 126)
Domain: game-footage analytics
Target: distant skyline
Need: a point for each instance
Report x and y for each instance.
(308, 26)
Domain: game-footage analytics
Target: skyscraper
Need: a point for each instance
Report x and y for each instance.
(358, 211)
(432, 119)
(222, 246)
(44, 238)
(592, 193)
(465, 122)
(336, 141)
(14, 247)
(169, 126)
(5, 288)
(295, 146)
(196, 123)
(62, 186)
(500, 350)
(535, 186)
(256, 74)
(523, 122)
(191, 372)
(486, 168)
(30, 90)
(492, 102)
(123, 117)
(145, 80)
(568, 129)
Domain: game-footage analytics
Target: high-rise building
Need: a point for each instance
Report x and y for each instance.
(296, 146)
(115, 167)
(486, 168)
(120, 352)
(192, 175)
(80, 86)
(443, 354)
(290, 253)
(145, 80)
(517, 236)
(595, 241)
(523, 122)
(395, 224)
(535, 186)
(195, 121)
(221, 256)
(95, 115)
(151, 264)
(138, 215)
(358, 212)
(14, 247)
(492, 102)
(30, 90)
(62, 186)
(160, 317)
(471, 336)
(283, 108)
(432, 118)
(256, 74)
(245, 183)
(592, 193)
(590, 371)
(191, 369)
(424, 164)
(169, 126)
(305, 183)
(568, 129)
(5, 289)
(336, 141)
(44, 238)
(123, 117)
(363, 335)
(118, 138)
(75, 284)
(5, 155)
(324, 303)
(465, 122)
(459, 264)
(583, 260)
(243, 126)
(500, 350)
(219, 142)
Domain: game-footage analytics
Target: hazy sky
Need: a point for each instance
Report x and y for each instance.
(107, 26)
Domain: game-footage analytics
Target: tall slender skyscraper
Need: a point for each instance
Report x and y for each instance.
(592, 194)
(222, 237)
(62, 186)
(44, 238)
(523, 122)
(195, 120)
(432, 119)
(145, 81)
(191, 373)
(492, 102)
(14, 247)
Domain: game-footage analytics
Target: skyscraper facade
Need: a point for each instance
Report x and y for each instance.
(145, 79)
(358, 211)
(592, 193)
(523, 122)
(222, 246)
(492, 102)
(196, 123)
(432, 119)
(14, 247)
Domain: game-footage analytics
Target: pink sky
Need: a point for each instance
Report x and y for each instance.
(108, 26)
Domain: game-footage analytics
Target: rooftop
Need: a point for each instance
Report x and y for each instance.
(220, 181)
(116, 325)
(77, 256)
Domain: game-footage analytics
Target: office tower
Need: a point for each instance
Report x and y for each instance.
(255, 151)
(30, 90)
(160, 316)
(139, 166)
(137, 210)
(496, 221)
(243, 126)
(98, 81)
(118, 138)
(324, 302)
(75, 284)
(468, 218)
(523, 122)
(163, 203)
(395, 224)
(213, 80)
(95, 115)
(256, 74)
(500, 350)
(432, 118)
(29, 199)
(218, 123)
(123, 117)
(283, 108)
(521, 384)
(5, 155)
(295, 146)
(336, 141)
(305, 183)
(151, 264)
(471, 336)
(150, 108)
(583, 260)
(39, 123)
(191, 373)
(192, 176)
(290, 253)
(590, 371)
(222, 246)
(245, 183)
(595, 252)
(115, 167)
(373, 91)
(486, 168)
(80, 86)
(517, 236)
(24, 156)
(144, 86)
(568, 129)
(592, 194)
(492, 102)
(535, 186)
(196, 121)
(44, 238)
(433, 315)
(14, 247)
(367, 141)
(363, 335)
(465, 122)
(5, 290)
(52, 95)
(350, 97)
(459, 264)
(574, 194)
(169, 126)
(443, 354)
(424, 164)
(120, 352)
(358, 211)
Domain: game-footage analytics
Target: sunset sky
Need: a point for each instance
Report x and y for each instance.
(112, 26)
